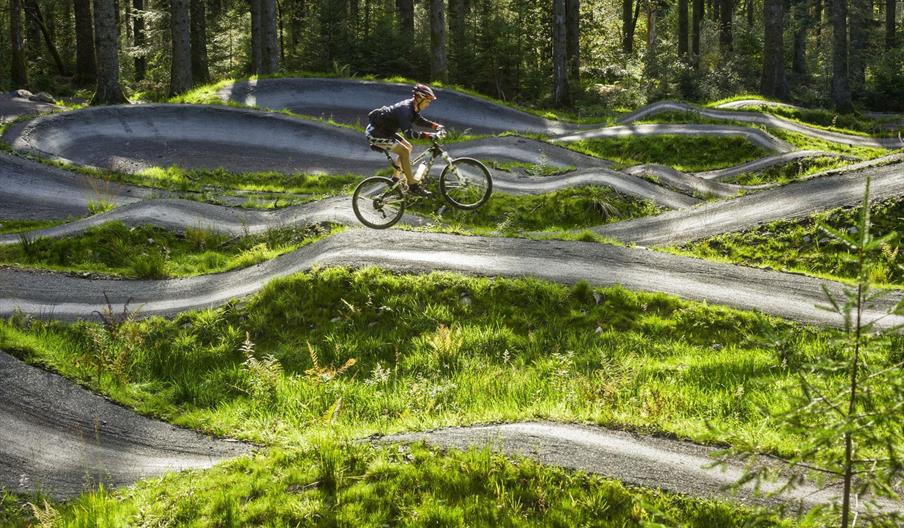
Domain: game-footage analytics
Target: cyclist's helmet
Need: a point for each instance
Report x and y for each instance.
(424, 91)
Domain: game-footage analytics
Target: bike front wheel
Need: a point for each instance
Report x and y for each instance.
(466, 183)
(378, 202)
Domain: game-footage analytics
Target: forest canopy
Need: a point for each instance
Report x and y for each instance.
(591, 56)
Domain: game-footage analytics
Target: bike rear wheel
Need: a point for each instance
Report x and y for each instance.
(466, 183)
(378, 204)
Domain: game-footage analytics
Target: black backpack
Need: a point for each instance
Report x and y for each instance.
(377, 116)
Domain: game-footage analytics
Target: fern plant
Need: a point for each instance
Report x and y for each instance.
(263, 375)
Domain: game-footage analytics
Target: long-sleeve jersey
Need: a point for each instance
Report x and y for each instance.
(387, 120)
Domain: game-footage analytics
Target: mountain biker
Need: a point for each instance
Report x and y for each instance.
(385, 123)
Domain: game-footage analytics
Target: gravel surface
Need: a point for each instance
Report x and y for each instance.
(755, 136)
(768, 161)
(838, 188)
(56, 437)
(12, 107)
(59, 296)
(32, 191)
(137, 137)
(763, 119)
(671, 465)
(348, 101)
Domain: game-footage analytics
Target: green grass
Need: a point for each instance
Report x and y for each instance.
(316, 186)
(561, 210)
(529, 169)
(852, 124)
(796, 170)
(148, 252)
(333, 483)
(343, 484)
(437, 350)
(429, 351)
(799, 141)
(708, 153)
(800, 246)
(19, 226)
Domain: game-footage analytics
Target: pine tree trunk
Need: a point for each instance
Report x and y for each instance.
(180, 67)
(32, 33)
(106, 45)
(573, 38)
(67, 37)
(841, 91)
(200, 73)
(817, 17)
(256, 40)
(751, 19)
(296, 19)
(141, 62)
(33, 11)
(406, 20)
(269, 37)
(697, 20)
(651, 28)
(682, 29)
(773, 82)
(18, 70)
(629, 24)
(858, 27)
(558, 52)
(85, 64)
(801, 22)
(456, 33)
(726, 41)
(890, 39)
(438, 67)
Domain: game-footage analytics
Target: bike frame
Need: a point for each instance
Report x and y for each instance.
(433, 152)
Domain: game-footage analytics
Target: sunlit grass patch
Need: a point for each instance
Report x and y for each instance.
(800, 246)
(796, 170)
(153, 253)
(530, 169)
(684, 153)
(19, 226)
(334, 483)
(561, 210)
(442, 349)
(299, 183)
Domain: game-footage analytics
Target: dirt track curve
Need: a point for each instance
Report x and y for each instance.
(672, 465)
(59, 296)
(56, 437)
(837, 188)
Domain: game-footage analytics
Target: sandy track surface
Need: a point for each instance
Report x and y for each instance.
(56, 437)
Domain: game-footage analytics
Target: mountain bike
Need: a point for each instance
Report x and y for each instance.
(465, 183)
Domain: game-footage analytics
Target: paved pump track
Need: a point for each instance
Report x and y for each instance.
(40, 412)
(792, 296)
(56, 437)
(348, 101)
(679, 467)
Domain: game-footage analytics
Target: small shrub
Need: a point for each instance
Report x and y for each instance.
(149, 266)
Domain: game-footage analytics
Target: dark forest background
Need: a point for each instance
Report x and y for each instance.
(587, 55)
